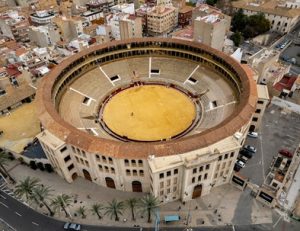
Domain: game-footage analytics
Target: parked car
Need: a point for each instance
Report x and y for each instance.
(246, 153)
(243, 158)
(240, 163)
(236, 168)
(286, 153)
(72, 226)
(250, 148)
(253, 134)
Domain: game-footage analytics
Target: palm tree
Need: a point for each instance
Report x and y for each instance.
(96, 208)
(26, 187)
(43, 193)
(148, 204)
(132, 204)
(81, 211)
(4, 157)
(61, 202)
(114, 209)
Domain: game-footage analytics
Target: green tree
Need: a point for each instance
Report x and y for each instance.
(239, 21)
(43, 194)
(26, 187)
(211, 2)
(96, 209)
(81, 210)
(114, 209)
(132, 204)
(148, 205)
(4, 157)
(237, 38)
(62, 201)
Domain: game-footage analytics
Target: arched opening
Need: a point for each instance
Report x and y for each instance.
(137, 186)
(197, 191)
(110, 182)
(87, 175)
(74, 176)
(252, 128)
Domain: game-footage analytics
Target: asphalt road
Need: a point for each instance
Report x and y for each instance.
(23, 218)
(278, 130)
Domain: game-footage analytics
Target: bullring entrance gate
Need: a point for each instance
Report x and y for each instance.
(110, 182)
(197, 191)
(137, 186)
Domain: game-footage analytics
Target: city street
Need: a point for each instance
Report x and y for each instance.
(279, 130)
(23, 218)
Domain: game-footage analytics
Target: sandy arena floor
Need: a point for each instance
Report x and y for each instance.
(20, 127)
(149, 113)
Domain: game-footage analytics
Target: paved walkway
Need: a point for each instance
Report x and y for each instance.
(224, 205)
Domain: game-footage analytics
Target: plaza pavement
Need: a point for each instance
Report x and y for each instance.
(224, 205)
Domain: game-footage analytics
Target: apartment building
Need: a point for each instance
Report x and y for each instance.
(15, 26)
(210, 26)
(124, 26)
(161, 20)
(41, 17)
(44, 36)
(70, 28)
(283, 15)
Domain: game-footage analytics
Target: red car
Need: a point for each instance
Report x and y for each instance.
(286, 153)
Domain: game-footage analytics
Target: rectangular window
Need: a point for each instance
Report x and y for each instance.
(168, 190)
(232, 154)
(100, 167)
(106, 169)
(258, 111)
(226, 156)
(127, 172)
(63, 149)
(97, 157)
(193, 180)
(192, 80)
(201, 169)
(115, 78)
(140, 163)
(199, 177)
(205, 176)
(155, 71)
(223, 165)
(260, 102)
(161, 175)
(174, 189)
(110, 160)
(175, 171)
(168, 173)
(112, 170)
(134, 172)
(126, 162)
(207, 167)
(161, 193)
(254, 119)
(216, 175)
(71, 167)
(175, 180)
(87, 163)
(168, 182)
(141, 172)
(161, 184)
(67, 158)
(194, 170)
(104, 159)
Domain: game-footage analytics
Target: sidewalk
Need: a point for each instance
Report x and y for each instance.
(217, 208)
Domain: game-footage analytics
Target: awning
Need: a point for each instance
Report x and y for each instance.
(172, 218)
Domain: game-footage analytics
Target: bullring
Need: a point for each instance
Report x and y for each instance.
(183, 164)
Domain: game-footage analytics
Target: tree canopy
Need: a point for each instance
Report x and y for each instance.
(249, 26)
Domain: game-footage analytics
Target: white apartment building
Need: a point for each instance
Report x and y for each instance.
(283, 15)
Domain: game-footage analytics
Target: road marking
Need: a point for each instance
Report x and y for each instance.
(18, 214)
(277, 221)
(35, 223)
(3, 197)
(4, 204)
(262, 157)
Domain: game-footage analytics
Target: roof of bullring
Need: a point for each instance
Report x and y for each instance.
(52, 121)
(268, 7)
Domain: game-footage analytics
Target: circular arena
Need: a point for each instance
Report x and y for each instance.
(125, 113)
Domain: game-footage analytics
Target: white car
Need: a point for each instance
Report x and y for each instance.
(240, 163)
(253, 134)
(250, 148)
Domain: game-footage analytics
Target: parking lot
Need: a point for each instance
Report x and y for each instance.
(279, 129)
